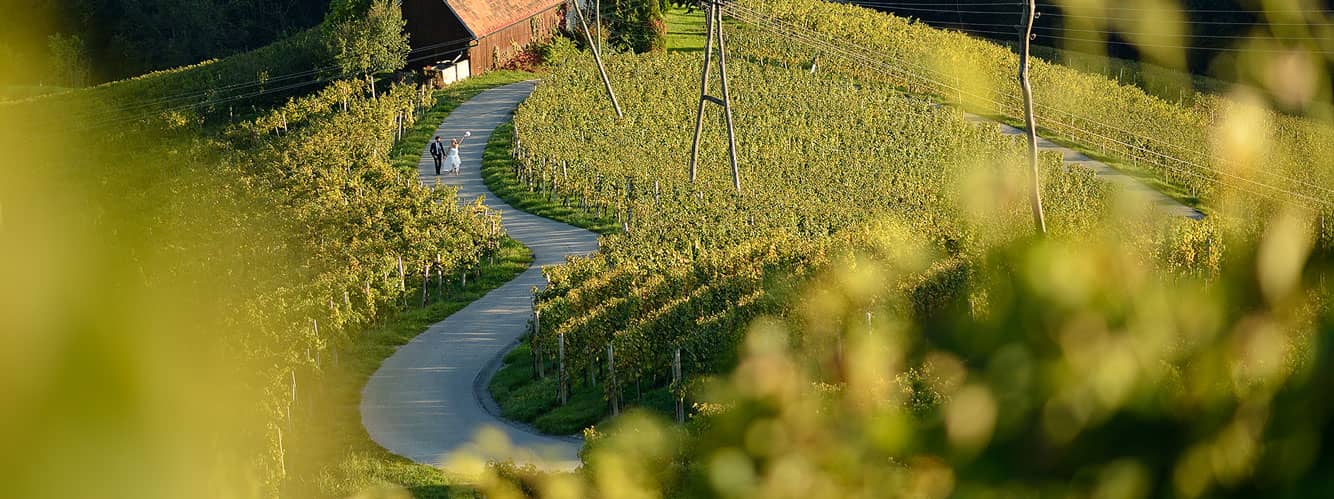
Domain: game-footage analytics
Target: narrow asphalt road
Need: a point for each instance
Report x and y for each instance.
(1104, 171)
(426, 400)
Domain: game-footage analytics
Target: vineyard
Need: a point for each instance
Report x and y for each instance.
(302, 235)
(869, 315)
(696, 263)
(214, 274)
(367, 237)
(1105, 118)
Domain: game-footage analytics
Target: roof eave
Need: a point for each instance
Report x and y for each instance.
(460, 18)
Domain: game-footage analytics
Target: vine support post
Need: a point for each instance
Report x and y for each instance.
(426, 283)
(560, 373)
(612, 387)
(676, 382)
(597, 57)
(291, 400)
(282, 453)
(713, 25)
(402, 283)
(838, 354)
(537, 352)
(1030, 123)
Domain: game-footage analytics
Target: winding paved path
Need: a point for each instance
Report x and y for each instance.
(426, 400)
(1134, 186)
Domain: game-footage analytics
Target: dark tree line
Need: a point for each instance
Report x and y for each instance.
(128, 37)
(1211, 32)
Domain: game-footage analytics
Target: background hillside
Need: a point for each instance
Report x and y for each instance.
(121, 38)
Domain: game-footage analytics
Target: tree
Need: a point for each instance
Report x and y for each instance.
(369, 43)
(638, 26)
(69, 59)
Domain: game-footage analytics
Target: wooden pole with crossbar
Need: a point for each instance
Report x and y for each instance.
(713, 25)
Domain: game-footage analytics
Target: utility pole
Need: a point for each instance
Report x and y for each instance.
(1030, 123)
(713, 23)
(597, 56)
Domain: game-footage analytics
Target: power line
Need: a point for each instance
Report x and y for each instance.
(1046, 107)
(130, 119)
(1058, 13)
(1146, 45)
(829, 45)
(1165, 156)
(1112, 32)
(262, 81)
(1073, 16)
(240, 85)
(1055, 35)
(1107, 7)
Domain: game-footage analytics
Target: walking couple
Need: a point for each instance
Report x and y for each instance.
(451, 153)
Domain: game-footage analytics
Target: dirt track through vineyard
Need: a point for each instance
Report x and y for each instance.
(428, 399)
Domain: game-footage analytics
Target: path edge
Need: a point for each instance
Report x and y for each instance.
(482, 393)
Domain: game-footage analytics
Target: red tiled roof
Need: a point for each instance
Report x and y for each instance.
(484, 17)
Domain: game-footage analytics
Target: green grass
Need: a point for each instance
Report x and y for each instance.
(498, 173)
(522, 397)
(685, 30)
(408, 150)
(339, 458)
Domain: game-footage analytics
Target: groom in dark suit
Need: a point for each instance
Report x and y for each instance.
(438, 152)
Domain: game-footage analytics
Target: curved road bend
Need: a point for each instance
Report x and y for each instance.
(425, 401)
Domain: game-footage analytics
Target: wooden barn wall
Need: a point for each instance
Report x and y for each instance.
(430, 23)
(496, 49)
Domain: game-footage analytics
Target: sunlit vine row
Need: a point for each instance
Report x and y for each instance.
(820, 158)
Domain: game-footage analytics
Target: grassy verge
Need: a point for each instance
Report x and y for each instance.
(498, 173)
(523, 397)
(685, 30)
(408, 151)
(340, 458)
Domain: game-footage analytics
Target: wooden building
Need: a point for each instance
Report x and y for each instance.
(486, 33)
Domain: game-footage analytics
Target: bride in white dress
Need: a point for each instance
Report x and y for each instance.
(452, 157)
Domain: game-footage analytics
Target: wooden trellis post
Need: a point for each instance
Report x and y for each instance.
(402, 283)
(426, 282)
(676, 381)
(560, 373)
(537, 330)
(282, 451)
(612, 387)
